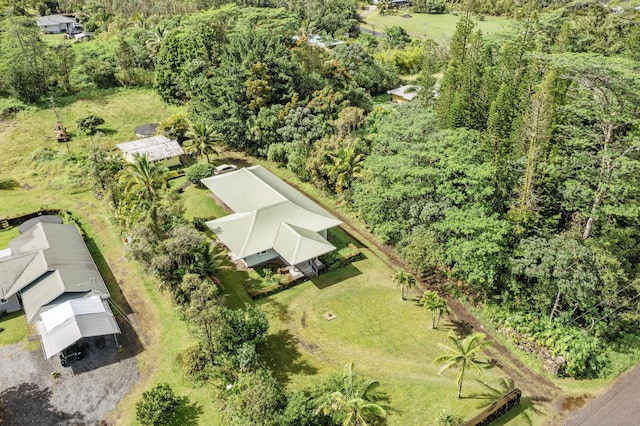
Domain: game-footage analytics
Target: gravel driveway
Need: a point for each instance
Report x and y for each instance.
(83, 394)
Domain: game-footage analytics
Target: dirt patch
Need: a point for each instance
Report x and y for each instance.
(571, 403)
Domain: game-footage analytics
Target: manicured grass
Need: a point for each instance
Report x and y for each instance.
(15, 328)
(8, 235)
(438, 27)
(199, 203)
(388, 340)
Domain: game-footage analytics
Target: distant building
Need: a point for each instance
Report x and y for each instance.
(317, 40)
(56, 24)
(404, 94)
(157, 149)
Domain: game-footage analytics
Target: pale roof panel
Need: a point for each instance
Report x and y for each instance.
(155, 148)
(297, 245)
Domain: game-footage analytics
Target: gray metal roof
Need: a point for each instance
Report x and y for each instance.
(264, 204)
(407, 92)
(60, 264)
(155, 148)
(54, 20)
(72, 320)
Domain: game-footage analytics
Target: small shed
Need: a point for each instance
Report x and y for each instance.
(404, 94)
(56, 24)
(157, 149)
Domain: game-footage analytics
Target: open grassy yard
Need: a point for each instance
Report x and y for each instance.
(388, 340)
(437, 27)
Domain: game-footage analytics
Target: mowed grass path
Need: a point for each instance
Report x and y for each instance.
(438, 27)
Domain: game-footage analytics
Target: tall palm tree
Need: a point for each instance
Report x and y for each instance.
(202, 140)
(404, 281)
(143, 178)
(435, 304)
(352, 401)
(347, 165)
(463, 352)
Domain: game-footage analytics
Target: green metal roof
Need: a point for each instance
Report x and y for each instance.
(297, 245)
(263, 203)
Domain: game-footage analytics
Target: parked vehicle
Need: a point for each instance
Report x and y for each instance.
(71, 353)
(225, 168)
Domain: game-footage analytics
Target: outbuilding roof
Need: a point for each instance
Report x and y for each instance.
(407, 92)
(155, 148)
(74, 319)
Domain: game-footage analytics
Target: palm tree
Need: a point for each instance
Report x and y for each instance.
(434, 304)
(464, 352)
(143, 178)
(352, 401)
(347, 165)
(202, 140)
(404, 281)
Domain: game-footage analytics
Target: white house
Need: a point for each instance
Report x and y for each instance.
(56, 24)
(271, 220)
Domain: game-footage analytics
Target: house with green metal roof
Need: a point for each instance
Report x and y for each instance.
(49, 267)
(271, 220)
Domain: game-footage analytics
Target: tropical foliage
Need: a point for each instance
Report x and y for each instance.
(462, 353)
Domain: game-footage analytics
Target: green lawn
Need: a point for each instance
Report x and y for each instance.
(388, 340)
(438, 27)
(8, 235)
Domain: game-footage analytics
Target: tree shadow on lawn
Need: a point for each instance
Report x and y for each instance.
(187, 413)
(27, 404)
(336, 276)
(282, 354)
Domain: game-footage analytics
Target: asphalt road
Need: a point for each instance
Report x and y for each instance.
(619, 406)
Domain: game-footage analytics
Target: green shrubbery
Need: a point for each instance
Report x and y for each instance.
(585, 356)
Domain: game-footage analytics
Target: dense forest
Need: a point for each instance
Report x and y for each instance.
(515, 173)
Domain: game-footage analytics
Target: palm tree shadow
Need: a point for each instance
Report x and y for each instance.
(493, 394)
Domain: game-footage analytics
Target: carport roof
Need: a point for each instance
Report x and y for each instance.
(62, 326)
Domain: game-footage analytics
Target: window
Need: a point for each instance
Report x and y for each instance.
(262, 253)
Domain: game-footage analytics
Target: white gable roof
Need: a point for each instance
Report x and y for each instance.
(74, 319)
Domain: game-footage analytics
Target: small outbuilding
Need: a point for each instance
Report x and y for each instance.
(404, 94)
(56, 24)
(157, 149)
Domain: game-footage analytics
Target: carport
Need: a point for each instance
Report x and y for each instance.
(65, 324)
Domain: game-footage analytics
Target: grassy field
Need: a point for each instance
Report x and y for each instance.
(387, 339)
(436, 27)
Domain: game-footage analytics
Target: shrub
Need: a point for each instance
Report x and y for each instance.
(101, 73)
(89, 124)
(199, 171)
(157, 406)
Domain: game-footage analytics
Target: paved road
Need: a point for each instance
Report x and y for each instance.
(619, 406)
